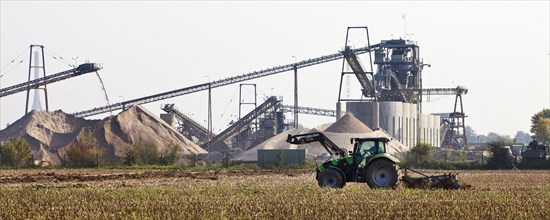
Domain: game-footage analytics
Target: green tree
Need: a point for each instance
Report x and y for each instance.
(501, 156)
(16, 152)
(540, 126)
(471, 134)
(420, 153)
(522, 137)
(83, 153)
(494, 137)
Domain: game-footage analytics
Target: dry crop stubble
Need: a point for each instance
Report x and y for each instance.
(495, 194)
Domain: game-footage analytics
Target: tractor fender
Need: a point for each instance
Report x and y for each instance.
(384, 156)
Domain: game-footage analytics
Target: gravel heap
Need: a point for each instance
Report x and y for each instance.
(348, 124)
(49, 133)
(340, 132)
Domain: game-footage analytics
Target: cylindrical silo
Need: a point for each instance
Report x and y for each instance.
(406, 125)
(391, 115)
(429, 126)
(422, 124)
(375, 106)
(338, 110)
(437, 126)
(414, 124)
(366, 112)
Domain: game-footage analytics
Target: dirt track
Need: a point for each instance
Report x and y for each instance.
(62, 178)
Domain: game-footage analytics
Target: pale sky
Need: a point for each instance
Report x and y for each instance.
(498, 50)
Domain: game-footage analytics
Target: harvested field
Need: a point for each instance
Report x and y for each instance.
(253, 194)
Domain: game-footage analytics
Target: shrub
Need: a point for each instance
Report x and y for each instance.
(140, 153)
(83, 153)
(501, 157)
(16, 152)
(170, 155)
(131, 155)
(421, 153)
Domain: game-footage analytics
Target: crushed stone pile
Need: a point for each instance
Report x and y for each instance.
(49, 133)
(340, 132)
(46, 132)
(348, 124)
(139, 124)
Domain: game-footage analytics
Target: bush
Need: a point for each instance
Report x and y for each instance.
(83, 153)
(421, 153)
(141, 153)
(501, 157)
(16, 152)
(170, 155)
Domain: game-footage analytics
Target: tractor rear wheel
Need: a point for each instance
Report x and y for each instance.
(382, 174)
(331, 178)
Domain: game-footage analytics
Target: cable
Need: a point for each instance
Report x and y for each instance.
(226, 107)
(55, 56)
(13, 67)
(235, 109)
(16, 58)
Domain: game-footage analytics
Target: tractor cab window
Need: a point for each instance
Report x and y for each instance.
(367, 148)
(381, 147)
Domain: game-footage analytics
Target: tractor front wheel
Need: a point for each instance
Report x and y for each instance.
(382, 174)
(331, 178)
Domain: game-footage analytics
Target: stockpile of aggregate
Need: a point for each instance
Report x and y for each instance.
(340, 132)
(49, 133)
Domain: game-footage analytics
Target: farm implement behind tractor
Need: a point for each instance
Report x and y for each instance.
(370, 163)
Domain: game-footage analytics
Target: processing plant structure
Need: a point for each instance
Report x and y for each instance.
(391, 99)
(392, 96)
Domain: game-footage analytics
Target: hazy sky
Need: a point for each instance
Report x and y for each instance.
(499, 50)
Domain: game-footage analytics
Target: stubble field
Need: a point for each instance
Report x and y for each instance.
(260, 194)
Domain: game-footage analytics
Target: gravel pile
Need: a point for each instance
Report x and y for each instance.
(340, 132)
(49, 133)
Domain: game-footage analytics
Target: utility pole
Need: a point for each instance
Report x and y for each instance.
(295, 93)
(295, 96)
(209, 115)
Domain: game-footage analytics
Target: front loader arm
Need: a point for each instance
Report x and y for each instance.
(329, 146)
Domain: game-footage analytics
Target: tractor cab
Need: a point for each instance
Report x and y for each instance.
(364, 149)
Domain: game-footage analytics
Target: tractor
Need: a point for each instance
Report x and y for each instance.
(368, 162)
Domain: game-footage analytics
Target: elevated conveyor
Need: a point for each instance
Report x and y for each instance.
(194, 128)
(271, 103)
(357, 68)
(222, 82)
(34, 84)
(310, 111)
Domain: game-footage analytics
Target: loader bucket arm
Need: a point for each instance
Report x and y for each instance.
(329, 146)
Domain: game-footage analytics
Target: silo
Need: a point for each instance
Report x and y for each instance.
(414, 122)
(437, 126)
(338, 110)
(390, 118)
(429, 126)
(366, 112)
(406, 124)
(422, 123)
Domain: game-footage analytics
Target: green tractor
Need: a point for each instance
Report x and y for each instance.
(369, 162)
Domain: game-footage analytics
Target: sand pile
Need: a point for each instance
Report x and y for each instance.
(46, 132)
(339, 132)
(49, 133)
(138, 124)
(348, 124)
